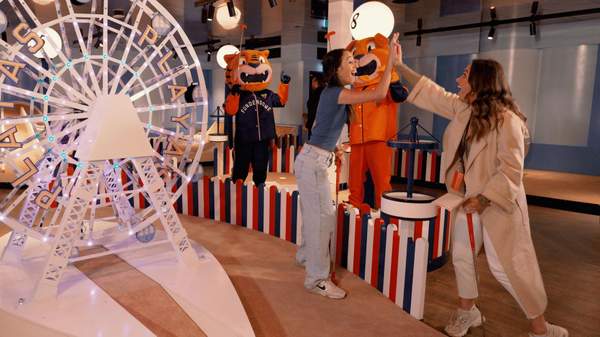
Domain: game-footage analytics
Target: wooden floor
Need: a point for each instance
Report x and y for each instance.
(564, 186)
(568, 248)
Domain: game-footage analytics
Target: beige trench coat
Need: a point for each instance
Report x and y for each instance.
(494, 168)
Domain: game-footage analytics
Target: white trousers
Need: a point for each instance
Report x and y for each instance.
(462, 258)
(315, 176)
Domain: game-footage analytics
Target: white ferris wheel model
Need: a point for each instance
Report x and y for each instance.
(91, 90)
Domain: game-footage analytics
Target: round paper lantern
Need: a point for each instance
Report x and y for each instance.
(371, 18)
(3, 21)
(52, 45)
(161, 25)
(226, 21)
(225, 50)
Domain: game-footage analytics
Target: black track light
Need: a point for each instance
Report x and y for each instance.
(532, 29)
(532, 23)
(491, 33)
(419, 27)
(493, 14)
(208, 55)
(231, 8)
(211, 12)
(272, 3)
(204, 14)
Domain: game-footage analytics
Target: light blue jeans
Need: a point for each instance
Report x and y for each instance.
(315, 176)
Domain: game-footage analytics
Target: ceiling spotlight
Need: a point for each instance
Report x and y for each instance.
(493, 14)
(532, 23)
(419, 26)
(208, 55)
(211, 12)
(231, 8)
(204, 14)
(532, 28)
(272, 3)
(492, 33)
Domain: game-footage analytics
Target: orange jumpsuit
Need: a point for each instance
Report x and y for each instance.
(372, 125)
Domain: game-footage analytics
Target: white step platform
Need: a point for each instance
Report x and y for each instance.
(82, 308)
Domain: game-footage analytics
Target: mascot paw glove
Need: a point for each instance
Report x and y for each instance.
(285, 78)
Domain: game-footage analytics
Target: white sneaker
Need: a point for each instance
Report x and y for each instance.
(553, 331)
(462, 320)
(328, 289)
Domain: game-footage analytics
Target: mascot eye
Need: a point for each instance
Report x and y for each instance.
(262, 60)
(371, 46)
(243, 61)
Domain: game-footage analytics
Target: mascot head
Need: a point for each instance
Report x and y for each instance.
(371, 55)
(250, 69)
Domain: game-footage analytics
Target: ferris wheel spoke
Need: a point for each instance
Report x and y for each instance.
(28, 94)
(88, 69)
(128, 47)
(117, 39)
(159, 84)
(60, 54)
(170, 106)
(149, 60)
(27, 9)
(71, 92)
(49, 118)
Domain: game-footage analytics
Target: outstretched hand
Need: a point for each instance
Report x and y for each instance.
(396, 50)
(285, 78)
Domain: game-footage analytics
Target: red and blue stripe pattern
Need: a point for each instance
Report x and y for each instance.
(282, 155)
(386, 256)
(390, 254)
(267, 209)
(427, 165)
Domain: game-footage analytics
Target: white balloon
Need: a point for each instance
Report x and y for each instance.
(225, 50)
(226, 21)
(52, 45)
(161, 25)
(371, 18)
(3, 21)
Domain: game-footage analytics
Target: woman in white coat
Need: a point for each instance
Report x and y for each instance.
(483, 162)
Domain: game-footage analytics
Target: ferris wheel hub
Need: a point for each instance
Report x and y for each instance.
(114, 131)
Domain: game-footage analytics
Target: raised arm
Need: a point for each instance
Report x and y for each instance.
(428, 95)
(357, 97)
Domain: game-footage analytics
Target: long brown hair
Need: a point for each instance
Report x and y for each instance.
(491, 97)
(331, 62)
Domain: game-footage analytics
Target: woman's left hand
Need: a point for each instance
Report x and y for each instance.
(473, 205)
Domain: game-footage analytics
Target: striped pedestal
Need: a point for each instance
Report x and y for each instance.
(386, 255)
(427, 165)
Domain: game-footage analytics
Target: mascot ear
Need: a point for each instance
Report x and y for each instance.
(351, 45)
(264, 53)
(380, 40)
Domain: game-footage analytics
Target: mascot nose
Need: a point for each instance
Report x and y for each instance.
(358, 57)
(254, 65)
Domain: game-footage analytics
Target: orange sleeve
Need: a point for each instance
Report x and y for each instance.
(232, 104)
(283, 92)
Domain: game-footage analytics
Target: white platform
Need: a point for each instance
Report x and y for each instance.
(83, 309)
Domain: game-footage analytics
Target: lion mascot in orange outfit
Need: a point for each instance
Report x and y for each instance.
(248, 74)
(373, 123)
